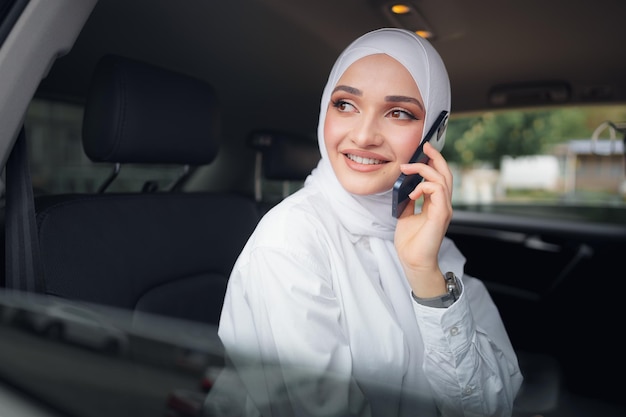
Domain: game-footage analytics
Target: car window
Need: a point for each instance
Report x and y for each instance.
(563, 162)
(531, 160)
(59, 165)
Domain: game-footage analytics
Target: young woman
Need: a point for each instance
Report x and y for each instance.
(332, 283)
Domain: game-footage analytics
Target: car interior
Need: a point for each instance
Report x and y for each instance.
(142, 250)
(225, 95)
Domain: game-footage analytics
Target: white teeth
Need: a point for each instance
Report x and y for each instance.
(364, 161)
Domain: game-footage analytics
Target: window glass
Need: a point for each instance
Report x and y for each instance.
(532, 160)
(562, 162)
(59, 165)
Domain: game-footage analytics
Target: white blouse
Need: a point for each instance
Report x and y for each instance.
(307, 294)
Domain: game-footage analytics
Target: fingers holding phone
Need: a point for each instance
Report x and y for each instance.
(434, 171)
(408, 181)
(419, 234)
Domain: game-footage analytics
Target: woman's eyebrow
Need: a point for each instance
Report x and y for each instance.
(391, 99)
(404, 99)
(348, 89)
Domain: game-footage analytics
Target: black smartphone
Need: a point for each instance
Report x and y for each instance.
(407, 183)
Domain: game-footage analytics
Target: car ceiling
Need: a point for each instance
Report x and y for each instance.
(269, 59)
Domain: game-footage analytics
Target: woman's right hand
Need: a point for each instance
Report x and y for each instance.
(419, 235)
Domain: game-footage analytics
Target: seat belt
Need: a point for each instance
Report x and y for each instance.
(22, 257)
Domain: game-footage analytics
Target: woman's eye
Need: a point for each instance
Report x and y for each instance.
(343, 106)
(401, 114)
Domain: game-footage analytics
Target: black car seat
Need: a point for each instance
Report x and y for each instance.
(283, 161)
(164, 252)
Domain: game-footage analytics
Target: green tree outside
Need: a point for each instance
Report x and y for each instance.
(484, 138)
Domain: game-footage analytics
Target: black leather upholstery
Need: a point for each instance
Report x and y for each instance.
(160, 252)
(285, 156)
(144, 114)
(167, 253)
(281, 157)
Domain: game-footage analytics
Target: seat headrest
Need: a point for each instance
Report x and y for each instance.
(286, 156)
(140, 113)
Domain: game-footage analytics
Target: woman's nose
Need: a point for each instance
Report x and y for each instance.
(366, 132)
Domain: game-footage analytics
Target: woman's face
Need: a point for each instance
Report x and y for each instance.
(374, 123)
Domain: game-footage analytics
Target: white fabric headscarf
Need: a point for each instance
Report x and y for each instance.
(370, 215)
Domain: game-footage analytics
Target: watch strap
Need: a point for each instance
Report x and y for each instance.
(443, 301)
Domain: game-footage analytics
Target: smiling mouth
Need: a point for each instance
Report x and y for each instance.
(364, 161)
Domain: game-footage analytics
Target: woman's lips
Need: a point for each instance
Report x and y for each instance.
(363, 163)
(363, 160)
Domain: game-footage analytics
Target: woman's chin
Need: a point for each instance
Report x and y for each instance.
(365, 188)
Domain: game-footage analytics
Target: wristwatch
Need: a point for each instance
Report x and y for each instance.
(453, 288)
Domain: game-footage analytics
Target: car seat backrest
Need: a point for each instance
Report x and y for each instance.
(283, 157)
(167, 253)
(139, 113)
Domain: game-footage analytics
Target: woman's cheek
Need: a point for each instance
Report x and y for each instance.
(332, 132)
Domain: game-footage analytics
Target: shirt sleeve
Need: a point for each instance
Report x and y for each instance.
(470, 363)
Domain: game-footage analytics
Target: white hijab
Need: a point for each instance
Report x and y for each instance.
(370, 215)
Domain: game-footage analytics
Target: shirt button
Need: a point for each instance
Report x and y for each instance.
(454, 331)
